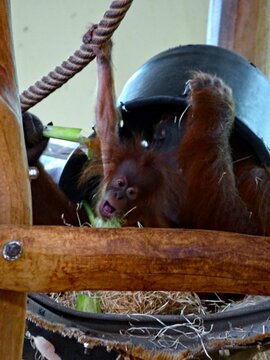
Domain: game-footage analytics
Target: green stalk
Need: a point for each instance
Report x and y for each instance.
(63, 133)
(68, 134)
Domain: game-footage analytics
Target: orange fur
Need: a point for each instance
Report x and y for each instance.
(194, 185)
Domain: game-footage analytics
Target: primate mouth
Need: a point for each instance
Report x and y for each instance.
(107, 209)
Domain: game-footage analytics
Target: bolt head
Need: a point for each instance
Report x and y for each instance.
(12, 250)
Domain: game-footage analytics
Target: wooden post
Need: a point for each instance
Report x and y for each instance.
(15, 201)
(242, 26)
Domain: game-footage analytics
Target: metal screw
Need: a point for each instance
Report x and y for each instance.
(28, 335)
(12, 250)
(33, 172)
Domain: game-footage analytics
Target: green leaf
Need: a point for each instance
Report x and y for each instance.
(87, 303)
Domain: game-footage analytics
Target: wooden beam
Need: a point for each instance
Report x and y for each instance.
(63, 258)
(242, 26)
(15, 204)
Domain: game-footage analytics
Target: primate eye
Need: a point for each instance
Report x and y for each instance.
(121, 182)
(132, 193)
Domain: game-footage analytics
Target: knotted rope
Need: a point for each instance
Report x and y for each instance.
(76, 62)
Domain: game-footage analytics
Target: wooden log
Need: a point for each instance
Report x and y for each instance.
(63, 258)
(15, 204)
(242, 26)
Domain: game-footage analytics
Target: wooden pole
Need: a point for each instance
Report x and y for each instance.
(62, 258)
(15, 201)
(242, 26)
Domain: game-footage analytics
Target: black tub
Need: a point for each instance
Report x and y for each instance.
(160, 82)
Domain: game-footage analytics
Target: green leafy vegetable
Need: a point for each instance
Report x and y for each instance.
(88, 303)
(97, 221)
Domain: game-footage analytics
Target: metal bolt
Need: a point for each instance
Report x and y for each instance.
(33, 172)
(12, 250)
(28, 335)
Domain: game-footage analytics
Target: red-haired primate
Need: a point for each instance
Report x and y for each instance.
(195, 184)
(204, 177)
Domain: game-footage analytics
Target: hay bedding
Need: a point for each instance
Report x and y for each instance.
(168, 303)
(151, 302)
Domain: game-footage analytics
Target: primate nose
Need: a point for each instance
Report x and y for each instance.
(119, 194)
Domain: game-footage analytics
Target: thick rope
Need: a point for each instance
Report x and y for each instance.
(76, 62)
